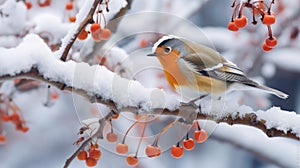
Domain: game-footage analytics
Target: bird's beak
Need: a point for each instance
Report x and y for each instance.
(151, 55)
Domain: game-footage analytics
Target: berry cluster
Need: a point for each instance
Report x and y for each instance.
(188, 143)
(11, 114)
(70, 11)
(259, 7)
(97, 32)
(16, 120)
(90, 156)
(152, 150)
(41, 3)
(93, 154)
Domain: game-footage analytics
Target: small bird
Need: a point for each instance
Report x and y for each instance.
(194, 70)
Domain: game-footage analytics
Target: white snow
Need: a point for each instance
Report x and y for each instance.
(50, 24)
(114, 7)
(14, 22)
(96, 80)
(286, 58)
(83, 12)
(274, 117)
(282, 151)
(268, 70)
(280, 119)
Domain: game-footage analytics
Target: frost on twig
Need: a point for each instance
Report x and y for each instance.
(103, 86)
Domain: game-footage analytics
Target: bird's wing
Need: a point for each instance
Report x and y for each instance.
(216, 66)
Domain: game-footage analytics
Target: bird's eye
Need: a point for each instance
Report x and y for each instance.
(168, 50)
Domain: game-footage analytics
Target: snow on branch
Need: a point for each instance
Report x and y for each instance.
(34, 59)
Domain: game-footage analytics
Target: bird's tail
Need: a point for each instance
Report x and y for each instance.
(273, 91)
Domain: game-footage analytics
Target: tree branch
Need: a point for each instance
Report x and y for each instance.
(184, 111)
(97, 134)
(88, 19)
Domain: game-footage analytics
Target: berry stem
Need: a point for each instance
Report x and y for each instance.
(141, 138)
(123, 141)
(162, 131)
(234, 11)
(269, 8)
(179, 133)
(270, 32)
(198, 125)
(111, 126)
(241, 10)
(187, 135)
(233, 4)
(188, 131)
(97, 17)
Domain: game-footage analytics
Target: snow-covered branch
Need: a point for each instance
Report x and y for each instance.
(33, 59)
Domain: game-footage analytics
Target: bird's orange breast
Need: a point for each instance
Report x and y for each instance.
(199, 83)
(172, 71)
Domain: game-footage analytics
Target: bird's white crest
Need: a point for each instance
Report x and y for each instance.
(161, 40)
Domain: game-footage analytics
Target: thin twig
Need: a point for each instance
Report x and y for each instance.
(97, 134)
(87, 20)
(112, 26)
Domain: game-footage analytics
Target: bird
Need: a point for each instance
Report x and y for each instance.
(195, 71)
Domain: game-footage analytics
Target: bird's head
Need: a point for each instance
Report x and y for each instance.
(169, 46)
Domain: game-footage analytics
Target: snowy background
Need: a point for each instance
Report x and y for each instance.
(53, 129)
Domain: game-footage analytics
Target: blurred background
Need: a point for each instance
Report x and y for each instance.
(54, 127)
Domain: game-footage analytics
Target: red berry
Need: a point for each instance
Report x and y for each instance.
(6, 118)
(143, 43)
(232, 27)
(177, 151)
(44, 3)
(122, 148)
(152, 151)
(14, 117)
(18, 125)
(94, 146)
(115, 116)
(132, 160)
(96, 36)
(240, 22)
(69, 6)
(269, 19)
(90, 162)
(266, 48)
(111, 137)
(200, 136)
(54, 95)
(95, 153)
(24, 129)
(2, 138)
(72, 18)
(271, 42)
(95, 27)
(105, 34)
(188, 144)
(83, 35)
(82, 155)
(28, 5)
